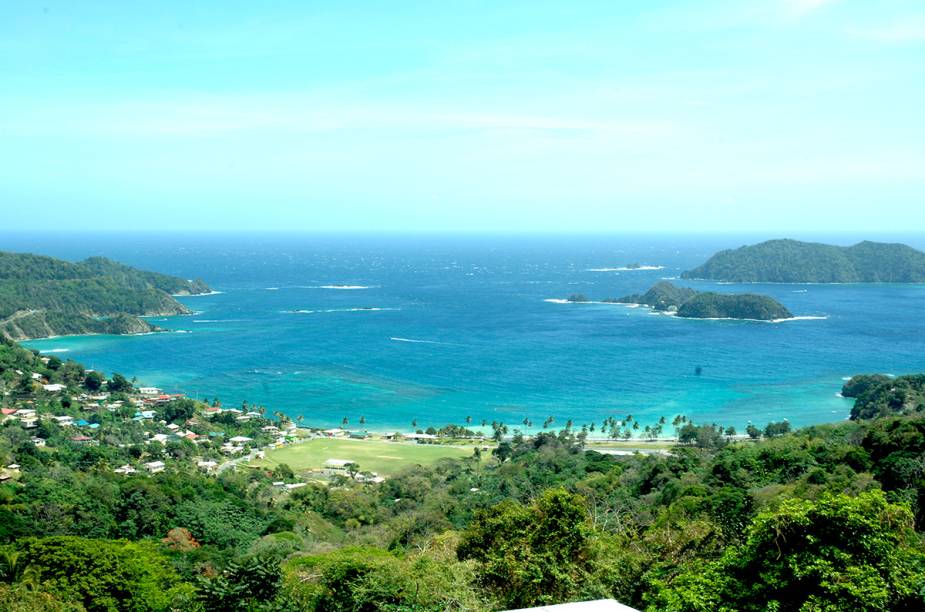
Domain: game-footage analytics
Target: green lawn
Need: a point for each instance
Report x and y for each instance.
(384, 458)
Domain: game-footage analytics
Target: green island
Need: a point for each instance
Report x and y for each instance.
(793, 261)
(43, 296)
(691, 304)
(115, 496)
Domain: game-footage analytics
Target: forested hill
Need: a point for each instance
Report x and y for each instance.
(792, 261)
(691, 304)
(43, 296)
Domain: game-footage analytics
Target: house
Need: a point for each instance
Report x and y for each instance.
(162, 438)
(207, 466)
(149, 391)
(64, 420)
(358, 435)
(417, 437)
(36, 376)
(39, 442)
(295, 485)
(82, 423)
(173, 427)
(29, 422)
(82, 440)
(145, 414)
(270, 429)
(125, 469)
(334, 433)
(337, 466)
(8, 411)
(240, 439)
(155, 467)
(231, 449)
(54, 388)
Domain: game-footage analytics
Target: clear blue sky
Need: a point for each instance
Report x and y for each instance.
(761, 115)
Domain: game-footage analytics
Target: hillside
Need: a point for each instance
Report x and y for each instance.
(691, 304)
(878, 395)
(792, 261)
(43, 296)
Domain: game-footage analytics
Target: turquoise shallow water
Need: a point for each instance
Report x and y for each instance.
(449, 327)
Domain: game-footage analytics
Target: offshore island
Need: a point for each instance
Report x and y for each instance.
(689, 303)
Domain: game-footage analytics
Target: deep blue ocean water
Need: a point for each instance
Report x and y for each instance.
(449, 326)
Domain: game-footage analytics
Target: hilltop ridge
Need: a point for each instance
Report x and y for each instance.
(793, 261)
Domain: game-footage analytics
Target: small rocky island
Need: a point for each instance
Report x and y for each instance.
(43, 296)
(688, 303)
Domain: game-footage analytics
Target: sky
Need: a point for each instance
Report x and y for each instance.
(470, 116)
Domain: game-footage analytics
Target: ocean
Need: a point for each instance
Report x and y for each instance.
(435, 329)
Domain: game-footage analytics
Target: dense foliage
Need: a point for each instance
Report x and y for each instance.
(661, 296)
(708, 305)
(880, 395)
(792, 261)
(43, 296)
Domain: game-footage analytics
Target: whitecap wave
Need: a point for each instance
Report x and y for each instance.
(626, 269)
(343, 287)
(218, 320)
(413, 341)
(271, 288)
(558, 301)
(57, 350)
(197, 294)
(327, 310)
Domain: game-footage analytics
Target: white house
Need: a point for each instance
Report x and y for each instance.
(64, 420)
(149, 391)
(155, 466)
(418, 436)
(39, 442)
(54, 388)
(240, 439)
(207, 466)
(125, 469)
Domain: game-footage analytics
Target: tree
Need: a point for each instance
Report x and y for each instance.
(837, 553)
(119, 384)
(93, 381)
(753, 432)
(777, 429)
(531, 555)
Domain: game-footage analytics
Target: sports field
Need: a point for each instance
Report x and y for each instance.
(384, 458)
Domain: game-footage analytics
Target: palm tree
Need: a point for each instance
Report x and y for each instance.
(362, 420)
(299, 418)
(344, 421)
(414, 422)
(14, 571)
(468, 420)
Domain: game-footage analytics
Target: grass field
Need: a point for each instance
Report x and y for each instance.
(384, 458)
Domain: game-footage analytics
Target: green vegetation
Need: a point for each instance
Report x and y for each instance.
(42, 296)
(829, 517)
(708, 305)
(691, 304)
(384, 458)
(662, 296)
(792, 261)
(879, 395)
